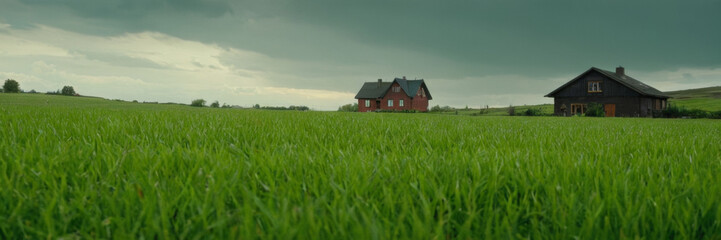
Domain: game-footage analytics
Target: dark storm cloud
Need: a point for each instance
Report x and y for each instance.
(533, 35)
(132, 9)
(113, 17)
(478, 37)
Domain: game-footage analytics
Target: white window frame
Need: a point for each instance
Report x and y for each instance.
(368, 103)
(594, 87)
(400, 103)
(390, 102)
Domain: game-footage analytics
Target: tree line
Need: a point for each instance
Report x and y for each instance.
(12, 86)
(201, 103)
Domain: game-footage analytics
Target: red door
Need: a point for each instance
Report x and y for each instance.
(610, 110)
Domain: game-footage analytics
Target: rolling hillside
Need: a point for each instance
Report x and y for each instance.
(708, 99)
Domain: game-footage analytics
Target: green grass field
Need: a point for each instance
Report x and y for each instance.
(707, 99)
(90, 168)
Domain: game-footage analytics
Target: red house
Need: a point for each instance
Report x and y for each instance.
(398, 95)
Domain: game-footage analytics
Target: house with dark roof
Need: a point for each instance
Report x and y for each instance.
(620, 95)
(397, 95)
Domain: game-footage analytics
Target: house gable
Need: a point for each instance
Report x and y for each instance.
(411, 87)
(423, 88)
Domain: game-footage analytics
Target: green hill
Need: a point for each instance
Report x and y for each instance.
(58, 101)
(708, 99)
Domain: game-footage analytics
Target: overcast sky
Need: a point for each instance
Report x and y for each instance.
(318, 53)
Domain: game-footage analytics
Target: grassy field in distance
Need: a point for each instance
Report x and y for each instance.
(708, 99)
(546, 109)
(92, 168)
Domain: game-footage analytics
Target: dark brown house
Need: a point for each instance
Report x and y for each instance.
(398, 95)
(620, 95)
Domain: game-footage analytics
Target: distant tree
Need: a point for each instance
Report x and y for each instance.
(198, 103)
(11, 86)
(215, 104)
(32, 91)
(256, 106)
(436, 108)
(349, 108)
(298, 108)
(226, 106)
(68, 91)
(511, 110)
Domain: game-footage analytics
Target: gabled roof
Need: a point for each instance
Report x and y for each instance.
(374, 90)
(625, 80)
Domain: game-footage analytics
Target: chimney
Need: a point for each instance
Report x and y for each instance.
(620, 71)
(379, 82)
